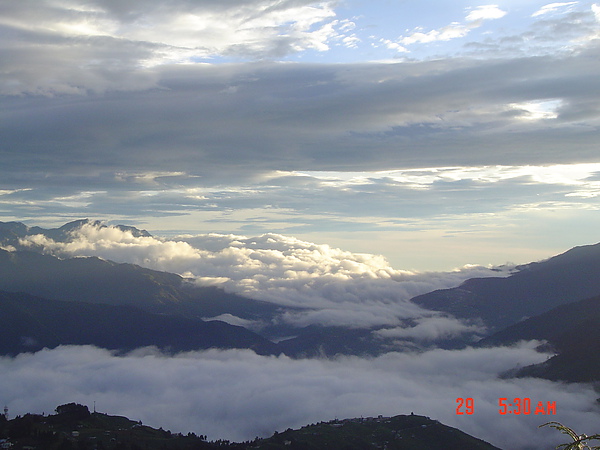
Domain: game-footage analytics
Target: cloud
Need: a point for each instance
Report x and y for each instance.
(238, 395)
(485, 12)
(435, 113)
(454, 30)
(102, 46)
(237, 321)
(333, 286)
(432, 329)
(552, 7)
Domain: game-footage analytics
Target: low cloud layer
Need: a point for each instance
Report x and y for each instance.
(335, 287)
(238, 395)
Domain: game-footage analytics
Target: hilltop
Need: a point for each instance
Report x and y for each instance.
(73, 426)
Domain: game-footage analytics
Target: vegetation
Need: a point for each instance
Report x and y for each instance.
(73, 427)
(580, 442)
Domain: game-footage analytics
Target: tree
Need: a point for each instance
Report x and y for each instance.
(74, 411)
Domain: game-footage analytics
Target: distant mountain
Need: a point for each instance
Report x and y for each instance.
(11, 232)
(30, 323)
(73, 426)
(534, 289)
(499, 302)
(95, 280)
(572, 330)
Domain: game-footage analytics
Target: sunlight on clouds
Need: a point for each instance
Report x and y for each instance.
(565, 174)
(537, 110)
(338, 287)
(552, 7)
(183, 33)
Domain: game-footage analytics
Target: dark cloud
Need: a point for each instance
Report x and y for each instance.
(295, 117)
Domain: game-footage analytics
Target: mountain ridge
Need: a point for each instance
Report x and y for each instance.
(31, 323)
(536, 288)
(572, 332)
(74, 426)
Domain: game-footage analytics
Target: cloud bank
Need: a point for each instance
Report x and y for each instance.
(333, 286)
(238, 395)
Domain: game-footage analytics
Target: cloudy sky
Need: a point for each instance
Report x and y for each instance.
(434, 133)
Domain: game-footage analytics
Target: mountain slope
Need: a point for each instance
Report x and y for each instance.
(105, 431)
(573, 331)
(404, 432)
(30, 323)
(96, 280)
(536, 288)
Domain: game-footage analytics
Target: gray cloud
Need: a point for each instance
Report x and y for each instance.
(103, 45)
(238, 395)
(303, 117)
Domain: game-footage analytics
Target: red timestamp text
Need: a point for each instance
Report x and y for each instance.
(516, 406)
(465, 406)
(523, 406)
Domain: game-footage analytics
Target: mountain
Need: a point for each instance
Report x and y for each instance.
(499, 302)
(95, 280)
(404, 432)
(534, 289)
(11, 232)
(30, 323)
(73, 426)
(572, 330)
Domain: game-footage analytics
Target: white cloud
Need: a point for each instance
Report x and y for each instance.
(431, 329)
(552, 7)
(238, 395)
(486, 12)
(456, 29)
(596, 11)
(452, 31)
(338, 287)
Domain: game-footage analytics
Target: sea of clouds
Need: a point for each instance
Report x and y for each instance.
(238, 395)
(333, 287)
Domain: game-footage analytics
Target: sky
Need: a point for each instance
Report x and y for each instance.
(436, 134)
